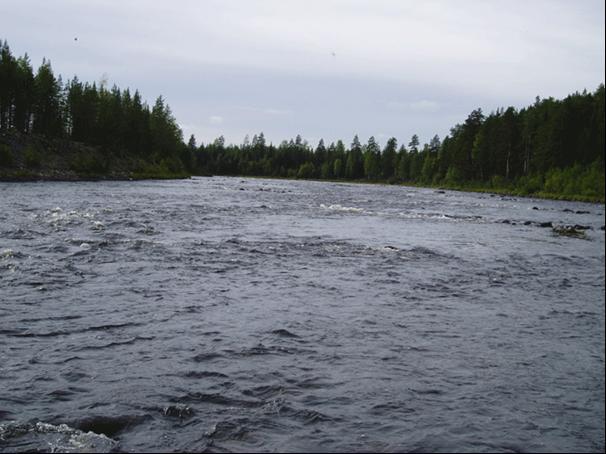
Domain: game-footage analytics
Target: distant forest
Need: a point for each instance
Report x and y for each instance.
(552, 147)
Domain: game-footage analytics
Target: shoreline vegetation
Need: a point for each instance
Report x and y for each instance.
(51, 130)
(501, 191)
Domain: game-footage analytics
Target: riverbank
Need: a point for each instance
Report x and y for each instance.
(517, 193)
(37, 158)
(504, 191)
(25, 157)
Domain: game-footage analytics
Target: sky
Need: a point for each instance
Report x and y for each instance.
(319, 68)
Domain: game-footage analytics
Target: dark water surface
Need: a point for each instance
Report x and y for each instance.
(223, 314)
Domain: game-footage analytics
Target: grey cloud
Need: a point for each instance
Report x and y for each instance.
(438, 59)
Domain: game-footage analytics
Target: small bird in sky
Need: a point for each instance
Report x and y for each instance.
(76, 38)
(333, 54)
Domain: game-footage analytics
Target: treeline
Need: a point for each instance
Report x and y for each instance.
(552, 147)
(115, 121)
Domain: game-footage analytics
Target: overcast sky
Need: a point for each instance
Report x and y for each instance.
(327, 68)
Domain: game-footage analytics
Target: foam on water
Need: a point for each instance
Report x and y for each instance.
(337, 207)
(220, 314)
(44, 437)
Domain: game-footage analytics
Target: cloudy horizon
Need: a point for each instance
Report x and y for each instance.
(329, 69)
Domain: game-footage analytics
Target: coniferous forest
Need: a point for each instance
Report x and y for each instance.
(552, 148)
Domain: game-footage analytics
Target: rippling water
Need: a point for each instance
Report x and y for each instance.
(222, 314)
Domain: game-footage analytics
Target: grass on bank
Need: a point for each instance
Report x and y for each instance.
(577, 183)
(573, 184)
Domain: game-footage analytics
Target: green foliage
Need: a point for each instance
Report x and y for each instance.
(371, 166)
(576, 180)
(32, 157)
(554, 181)
(593, 181)
(338, 168)
(372, 160)
(47, 102)
(403, 169)
(172, 164)
(453, 176)
(89, 163)
(306, 170)
(157, 171)
(186, 156)
(498, 182)
(326, 171)
(428, 169)
(6, 157)
(530, 184)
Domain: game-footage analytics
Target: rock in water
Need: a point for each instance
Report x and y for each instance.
(568, 230)
(43, 437)
(178, 411)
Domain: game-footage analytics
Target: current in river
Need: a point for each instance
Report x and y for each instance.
(228, 314)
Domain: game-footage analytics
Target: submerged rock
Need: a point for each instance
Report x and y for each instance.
(568, 230)
(108, 424)
(178, 411)
(390, 248)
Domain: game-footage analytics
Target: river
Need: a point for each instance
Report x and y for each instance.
(228, 314)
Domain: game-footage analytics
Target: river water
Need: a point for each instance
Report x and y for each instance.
(222, 314)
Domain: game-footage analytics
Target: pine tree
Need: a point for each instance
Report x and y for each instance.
(47, 102)
(389, 158)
